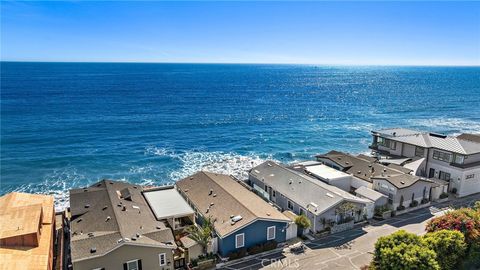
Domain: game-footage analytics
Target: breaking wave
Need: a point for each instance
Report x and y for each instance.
(450, 125)
(190, 162)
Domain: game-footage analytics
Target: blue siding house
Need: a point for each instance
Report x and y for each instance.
(240, 218)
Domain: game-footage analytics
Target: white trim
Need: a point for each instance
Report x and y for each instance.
(165, 246)
(274, 232)
(136, 261)
(160, 259)
(236, 240)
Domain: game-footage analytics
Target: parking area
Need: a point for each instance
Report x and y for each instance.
(350, 249)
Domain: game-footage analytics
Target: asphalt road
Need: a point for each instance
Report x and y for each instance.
(350, 249)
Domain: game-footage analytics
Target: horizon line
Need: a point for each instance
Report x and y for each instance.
(242, 63)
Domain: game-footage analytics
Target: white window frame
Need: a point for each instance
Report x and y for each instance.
(164, 259)
(236, 240)
(274, 232)
(288, 204)
(136, 261)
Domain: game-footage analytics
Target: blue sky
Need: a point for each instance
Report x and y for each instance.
(383, 33)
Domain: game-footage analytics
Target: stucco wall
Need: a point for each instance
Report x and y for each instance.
(416, 189)
(116, 258)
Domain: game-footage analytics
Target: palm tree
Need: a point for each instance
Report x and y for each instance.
(202, 234)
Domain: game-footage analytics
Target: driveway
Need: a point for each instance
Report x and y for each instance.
(350, 249)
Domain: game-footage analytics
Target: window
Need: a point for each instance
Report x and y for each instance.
(444, 176)
(162, 258)
(384, 142)
(271, 233)
(274, 193)
(265, 187)
(442, 156)
(470, 176)
(393, 145)
(132, 265)
(290, 205)
(419, 151)
(239, 240)
(459, 159)
(99, 268)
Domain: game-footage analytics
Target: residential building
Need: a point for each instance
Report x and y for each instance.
(360, 167)
(27, 233)
(328, 175)
(454, 159)
(386, 179)
(302, 194)
(379, 199)
(404, 190)
(169, 206)
(240, 218)
(112, 227)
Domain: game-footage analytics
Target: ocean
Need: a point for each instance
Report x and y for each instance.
(66, 125)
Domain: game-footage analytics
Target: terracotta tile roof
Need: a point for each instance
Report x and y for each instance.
(26, 211)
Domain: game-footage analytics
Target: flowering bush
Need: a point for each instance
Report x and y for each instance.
(464, 220)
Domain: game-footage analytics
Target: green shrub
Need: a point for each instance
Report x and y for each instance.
(403, 250)
(237, 254)
(449, 246)
(476, 206)
(270, 245)
(255, 249)
(443, 195)
(303, 222)
(414, 203)
(400, 208)
(424, 201)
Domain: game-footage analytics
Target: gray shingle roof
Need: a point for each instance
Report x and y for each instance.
(403, 180)
(224, 197)
(465, 144)
(310, 193)
(102, 218)
(360, 166)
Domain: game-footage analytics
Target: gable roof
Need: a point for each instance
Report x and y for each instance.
(369, 193)
(403, 180)
(465, 144)
(102, 218)
(221, 197)
(312, 194)
(359, 166)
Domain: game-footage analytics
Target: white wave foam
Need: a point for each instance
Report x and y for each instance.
(57, 184)
(448, 124)
(217, 162)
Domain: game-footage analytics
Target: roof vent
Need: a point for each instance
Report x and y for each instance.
(107, 219)
(329, 195)
(85, 190)
(211, 204)
(90, 234)
(359, 172)
(236, 219)
(137, 235)
(105, 207)
(78, 221)
(126, 194)
(208, 209)
(268, 214)
(214, 194)
(93, 250)
(270, 165)
(124, 208)
(402, 182)
(135, 207)
(256, 171)
(87, 205)
(346, 162)
(438, 135)
(191, 178)
(210, 192)
(134, 238)
(384, 169)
